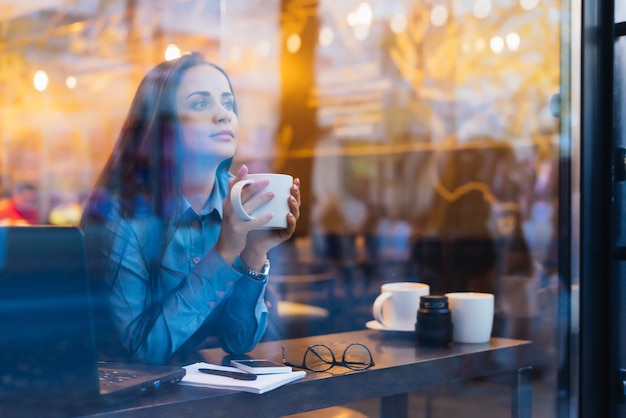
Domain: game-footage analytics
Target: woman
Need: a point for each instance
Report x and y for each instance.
(178, 266)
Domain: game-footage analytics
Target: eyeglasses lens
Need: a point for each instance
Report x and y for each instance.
(319, 358)
(357, 357)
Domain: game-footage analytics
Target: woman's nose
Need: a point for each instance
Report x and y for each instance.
(221, 116)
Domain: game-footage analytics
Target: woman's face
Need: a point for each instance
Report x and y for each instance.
(205, 106)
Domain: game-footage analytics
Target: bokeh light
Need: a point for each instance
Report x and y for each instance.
(513, 41)
(40, 80)
(439, 15)
(528, 4)
(293, 43)
(482, 8)
(497, 44)
(71, 82)
(398, 23)
(172, 52)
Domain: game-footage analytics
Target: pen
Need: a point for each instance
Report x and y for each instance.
(234, 375)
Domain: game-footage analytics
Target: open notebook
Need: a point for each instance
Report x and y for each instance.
(263, 383)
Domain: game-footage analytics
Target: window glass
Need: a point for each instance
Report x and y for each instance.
(425, 133)
(620, 11)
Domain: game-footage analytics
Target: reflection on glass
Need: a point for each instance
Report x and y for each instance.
(430, 152)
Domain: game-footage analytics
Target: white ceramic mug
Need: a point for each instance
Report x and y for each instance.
(397, 305)
(280, 184)
(472, 316)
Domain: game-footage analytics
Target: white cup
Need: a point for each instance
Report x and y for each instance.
(472, 316)
(397, 305)
(278, 206)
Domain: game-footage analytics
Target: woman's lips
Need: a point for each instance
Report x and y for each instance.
(224, 135)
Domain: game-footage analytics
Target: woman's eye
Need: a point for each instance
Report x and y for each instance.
(229, 105)
(199, 105)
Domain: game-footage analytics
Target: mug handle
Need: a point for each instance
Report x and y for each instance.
(377, 308)
(235, 199)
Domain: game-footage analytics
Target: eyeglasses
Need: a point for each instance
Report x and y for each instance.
(319, 358)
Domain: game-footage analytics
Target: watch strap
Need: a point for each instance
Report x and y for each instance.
(248, 271)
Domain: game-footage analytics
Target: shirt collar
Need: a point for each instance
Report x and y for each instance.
(214, 202)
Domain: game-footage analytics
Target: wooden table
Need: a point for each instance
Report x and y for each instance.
(401, 367)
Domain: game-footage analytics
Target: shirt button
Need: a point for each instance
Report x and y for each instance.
(195, 224)
(230, 283)
(211, 304)
(196, 260)
(220, 294)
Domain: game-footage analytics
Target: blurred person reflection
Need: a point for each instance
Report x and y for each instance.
(181, 270)
(333, 229)
(454, 248)
(20, 207)
(540, 196)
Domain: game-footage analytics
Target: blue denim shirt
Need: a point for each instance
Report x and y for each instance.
(205, 296)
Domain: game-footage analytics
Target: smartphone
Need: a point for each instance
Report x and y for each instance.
(260, 366)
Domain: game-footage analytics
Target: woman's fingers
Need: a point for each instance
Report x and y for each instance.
(263, 240)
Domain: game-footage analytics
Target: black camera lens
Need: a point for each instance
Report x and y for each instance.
(434, 321)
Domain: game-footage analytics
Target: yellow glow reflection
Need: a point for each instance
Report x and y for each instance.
(482, 8)
(497, 44)
(398, 23)
(326, 36)
(528, 4)
(293, 43)
(40, 80)
(513, 41)
(172, 52)
(438, 15)
(70, 82)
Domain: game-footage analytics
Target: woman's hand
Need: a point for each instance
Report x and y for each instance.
(234, 232)
(261, 241)
(241, 237)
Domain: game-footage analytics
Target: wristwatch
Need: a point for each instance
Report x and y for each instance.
(256, 275)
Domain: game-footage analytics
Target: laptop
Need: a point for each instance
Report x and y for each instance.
(48, 349)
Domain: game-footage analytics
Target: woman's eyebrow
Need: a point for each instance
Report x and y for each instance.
(199, 93)
(208, 94)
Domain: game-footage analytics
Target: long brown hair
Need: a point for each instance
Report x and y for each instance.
(142, 165)
(141, 179)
